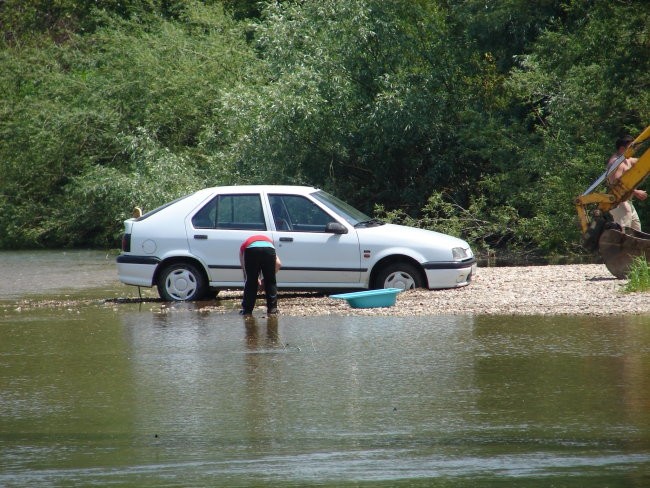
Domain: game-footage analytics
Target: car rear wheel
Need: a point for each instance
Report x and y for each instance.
(404, 276)
(181, 282)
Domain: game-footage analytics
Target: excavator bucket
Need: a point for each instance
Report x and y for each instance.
(619, 248)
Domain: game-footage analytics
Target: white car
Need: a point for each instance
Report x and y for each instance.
(190, 247)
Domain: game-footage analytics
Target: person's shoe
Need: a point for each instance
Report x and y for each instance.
(244, 313)
(272, 311)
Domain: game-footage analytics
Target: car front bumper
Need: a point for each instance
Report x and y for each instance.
(450, 274)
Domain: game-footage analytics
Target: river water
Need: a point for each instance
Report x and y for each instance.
(97, 393)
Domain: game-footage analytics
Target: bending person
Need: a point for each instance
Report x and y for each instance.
(257, 255)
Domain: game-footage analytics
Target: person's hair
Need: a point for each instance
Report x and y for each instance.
(624, 141)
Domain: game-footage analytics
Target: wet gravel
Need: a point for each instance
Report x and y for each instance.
(575, 289)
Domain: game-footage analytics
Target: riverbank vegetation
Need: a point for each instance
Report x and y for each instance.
(638, 276)
(477, 118)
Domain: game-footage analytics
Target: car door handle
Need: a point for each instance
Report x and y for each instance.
(200, 236)
(286, 239)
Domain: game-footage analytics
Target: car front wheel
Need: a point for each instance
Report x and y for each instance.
(404, 276)
(181, 282)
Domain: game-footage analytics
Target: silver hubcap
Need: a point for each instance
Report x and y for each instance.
(401, 280)
(180, 284)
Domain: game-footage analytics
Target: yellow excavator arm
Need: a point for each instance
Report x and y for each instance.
(619, 246)
(621, 190)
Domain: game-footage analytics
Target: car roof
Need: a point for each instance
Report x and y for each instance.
(304, 190)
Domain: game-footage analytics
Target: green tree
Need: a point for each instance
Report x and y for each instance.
(481, 119)
(582, 85)
(70, 112)
(357, 99)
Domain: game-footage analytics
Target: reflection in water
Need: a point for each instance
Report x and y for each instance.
(261, 374)
(174, 395)
(634, 368)
(252, 333)
(591, 377)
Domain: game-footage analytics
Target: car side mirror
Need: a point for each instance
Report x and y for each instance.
(336, 228)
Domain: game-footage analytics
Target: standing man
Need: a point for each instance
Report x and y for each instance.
(257, 254)
(624, 213)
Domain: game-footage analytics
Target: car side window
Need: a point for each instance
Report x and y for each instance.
(239, 212)
(297, 213)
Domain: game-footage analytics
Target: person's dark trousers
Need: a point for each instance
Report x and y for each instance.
(258, 259)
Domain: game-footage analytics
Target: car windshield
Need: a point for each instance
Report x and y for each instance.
(348, 212)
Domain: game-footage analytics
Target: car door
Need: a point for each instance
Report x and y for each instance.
(217, 230)
(309, 253)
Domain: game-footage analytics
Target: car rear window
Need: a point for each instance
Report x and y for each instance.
(162, 207)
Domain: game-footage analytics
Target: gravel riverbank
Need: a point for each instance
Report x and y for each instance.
(582, 289)
(572, 289)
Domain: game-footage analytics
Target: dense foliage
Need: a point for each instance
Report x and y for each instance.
(479, 118)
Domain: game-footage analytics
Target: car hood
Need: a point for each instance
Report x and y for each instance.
(401, 235)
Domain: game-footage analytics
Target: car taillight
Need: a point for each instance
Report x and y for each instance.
(126, 242)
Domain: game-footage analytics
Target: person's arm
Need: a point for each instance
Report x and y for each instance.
(241, 263)
(278, 264)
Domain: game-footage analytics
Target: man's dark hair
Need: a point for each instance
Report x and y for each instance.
(624, 141)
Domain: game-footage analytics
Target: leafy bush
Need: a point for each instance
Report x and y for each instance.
(111, 118)
(486, 228)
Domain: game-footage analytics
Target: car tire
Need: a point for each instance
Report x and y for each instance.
(181, 282)
(400, 275)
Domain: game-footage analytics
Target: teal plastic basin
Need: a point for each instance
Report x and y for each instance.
(384, 297)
